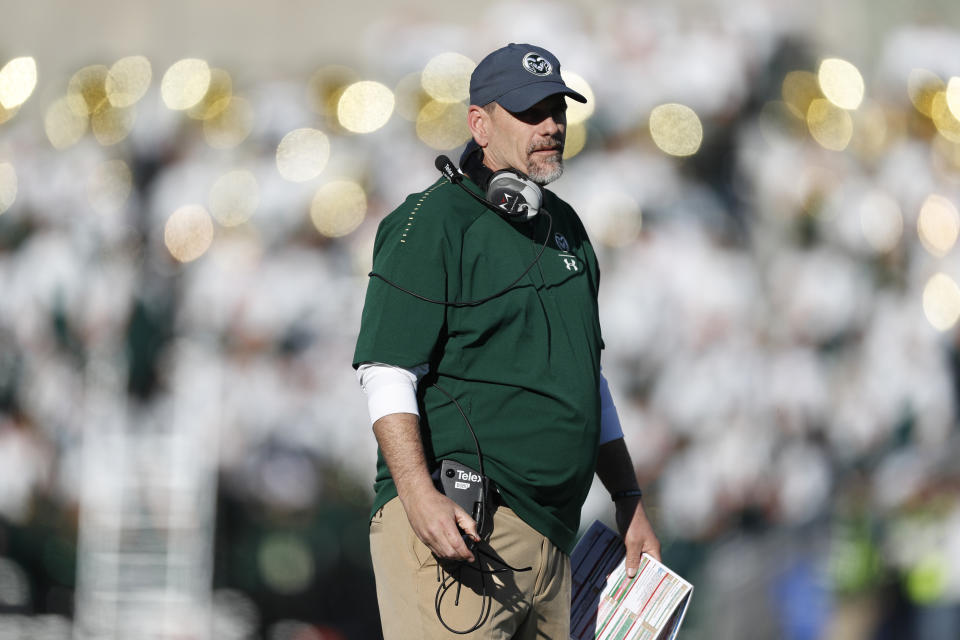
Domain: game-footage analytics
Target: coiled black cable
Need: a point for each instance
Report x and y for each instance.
(486, 600)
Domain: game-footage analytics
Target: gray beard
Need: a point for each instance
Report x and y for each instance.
(545, 173)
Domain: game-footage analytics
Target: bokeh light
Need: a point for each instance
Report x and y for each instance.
(946, 123)
(953, 96)
(578, 112)
(188, 233)
(217, 97)
(232, 124)
(87, 90)
(676, 129)
(111, 124)
(922, 86)
(365, 106)
(410, 96)
(234, 197)
(8, 186)
(109, 186)
(338, 208)
(185, 83)
(799, 89)
(7, 114)
(881, 221)
(446, 78)
(576, 140)
(928, 580)
(443, 125)
(941, 301)
(63, 126)
(841, 83)
(327, 85)
(938, 225)
(128, 80)
(303, 154)
(286, 563)
(830, 125)
(18, 79)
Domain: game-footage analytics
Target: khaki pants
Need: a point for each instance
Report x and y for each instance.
(524, 605)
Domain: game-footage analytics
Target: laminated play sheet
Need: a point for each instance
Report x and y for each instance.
(609, 606)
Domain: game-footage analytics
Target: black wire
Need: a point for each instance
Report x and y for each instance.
(473, 433)
(506, 566)
(473, 303)
(481, 517)
(486, 600)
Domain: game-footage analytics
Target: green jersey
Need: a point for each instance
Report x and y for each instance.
(524, 365)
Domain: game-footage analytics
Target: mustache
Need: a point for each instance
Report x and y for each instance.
(551, 143)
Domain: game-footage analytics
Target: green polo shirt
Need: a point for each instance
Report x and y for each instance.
(524, 366)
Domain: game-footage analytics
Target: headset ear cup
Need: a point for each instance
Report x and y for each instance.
(516, 196)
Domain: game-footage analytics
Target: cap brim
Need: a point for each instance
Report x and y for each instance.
(526, 96)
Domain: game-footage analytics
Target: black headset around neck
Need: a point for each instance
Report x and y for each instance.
(510, 193)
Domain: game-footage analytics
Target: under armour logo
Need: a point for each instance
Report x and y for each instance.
(571, 264)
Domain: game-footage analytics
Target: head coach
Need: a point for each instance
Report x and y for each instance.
(479, 353)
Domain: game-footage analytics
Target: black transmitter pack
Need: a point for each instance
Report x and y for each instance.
(470, 490)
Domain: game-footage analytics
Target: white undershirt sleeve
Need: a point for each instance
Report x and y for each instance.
(610, 428)
(390, 389)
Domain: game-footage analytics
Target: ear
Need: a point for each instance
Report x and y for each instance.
(478, 121)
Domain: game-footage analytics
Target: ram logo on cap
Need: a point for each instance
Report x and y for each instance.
(537, 64)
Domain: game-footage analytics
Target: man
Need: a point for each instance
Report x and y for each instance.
(449, 349)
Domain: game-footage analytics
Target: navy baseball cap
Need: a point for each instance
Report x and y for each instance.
(517, 77)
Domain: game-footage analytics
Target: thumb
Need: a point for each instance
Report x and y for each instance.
(632, 562)
(467, 524)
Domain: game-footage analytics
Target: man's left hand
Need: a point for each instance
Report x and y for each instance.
(636, 532)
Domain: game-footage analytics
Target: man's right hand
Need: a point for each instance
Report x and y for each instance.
(439, 521)
(435, 518)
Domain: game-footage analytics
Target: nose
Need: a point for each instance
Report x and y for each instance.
(549, 127)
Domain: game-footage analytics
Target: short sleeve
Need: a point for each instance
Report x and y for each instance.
(413, 252)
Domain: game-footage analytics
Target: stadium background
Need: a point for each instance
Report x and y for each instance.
(188, 197)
